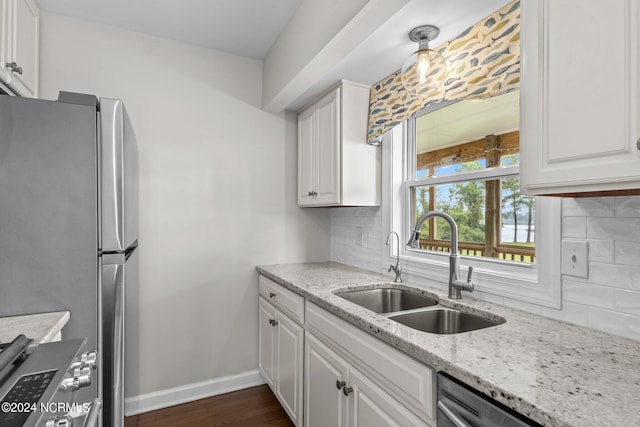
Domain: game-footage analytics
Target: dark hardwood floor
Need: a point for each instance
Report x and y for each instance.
(256, 406)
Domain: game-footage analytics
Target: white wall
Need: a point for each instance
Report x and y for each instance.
(217, 193)
(609, 299)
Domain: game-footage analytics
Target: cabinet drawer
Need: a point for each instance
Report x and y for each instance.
(404, 378)
(289, 302)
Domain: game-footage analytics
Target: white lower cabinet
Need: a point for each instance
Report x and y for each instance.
(281, 352)
(338, 394)
(354, 379)
(370, 406)
(267, 342)
(324, 402)
(328, 373)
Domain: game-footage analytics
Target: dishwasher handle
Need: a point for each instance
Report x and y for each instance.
(457, 420)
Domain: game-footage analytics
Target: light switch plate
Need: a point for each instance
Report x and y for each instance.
(575, 261)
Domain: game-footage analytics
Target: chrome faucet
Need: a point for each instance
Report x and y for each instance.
(455, 284)
(395, 268)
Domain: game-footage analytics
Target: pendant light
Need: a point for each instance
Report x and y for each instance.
(424, 70)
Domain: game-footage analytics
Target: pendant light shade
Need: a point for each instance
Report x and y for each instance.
(424, 70)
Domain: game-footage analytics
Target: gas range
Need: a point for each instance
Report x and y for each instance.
(38, 384)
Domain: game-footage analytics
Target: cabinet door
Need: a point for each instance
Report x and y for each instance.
(370, 406)
(579, 116)
(328, 149)
(4, 39)
(324, 401)
(266, 345)
(25, 47)
(306, 157)
(288, 377)
(21, 44)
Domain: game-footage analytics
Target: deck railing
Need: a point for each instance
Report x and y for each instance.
(504, 251)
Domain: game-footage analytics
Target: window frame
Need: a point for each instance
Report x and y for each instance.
(537, 283)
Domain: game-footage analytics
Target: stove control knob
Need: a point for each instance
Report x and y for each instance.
(83, 375)
(81, 378)
(89, 359)
(65, 421)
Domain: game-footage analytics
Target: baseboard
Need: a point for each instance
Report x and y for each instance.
(190, 392)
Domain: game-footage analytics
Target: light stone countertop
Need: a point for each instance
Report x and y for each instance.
(555, 373)
(41, 328)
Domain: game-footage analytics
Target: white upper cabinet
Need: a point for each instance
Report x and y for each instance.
(579, 110)
(336, 167)
(19, 46)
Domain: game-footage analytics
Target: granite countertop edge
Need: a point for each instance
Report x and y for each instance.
(317, 282)
(40, 327)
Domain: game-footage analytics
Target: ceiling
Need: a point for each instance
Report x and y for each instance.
(468, 120)
(250, 27)
(243, 27)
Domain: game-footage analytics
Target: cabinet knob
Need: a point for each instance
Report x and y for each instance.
(347, 391)
(340, 384)
(273, 322)
(13, 67)
(272, 295)
(312, 193)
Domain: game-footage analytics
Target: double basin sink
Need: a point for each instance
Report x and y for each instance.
(417, 310)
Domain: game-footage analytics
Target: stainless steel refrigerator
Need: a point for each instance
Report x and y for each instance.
(69, 224)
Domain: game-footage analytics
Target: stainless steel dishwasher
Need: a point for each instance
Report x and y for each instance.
(461, 406)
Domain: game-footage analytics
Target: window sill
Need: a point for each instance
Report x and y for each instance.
(516, 282)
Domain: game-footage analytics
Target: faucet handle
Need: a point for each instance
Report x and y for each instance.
(469, 273)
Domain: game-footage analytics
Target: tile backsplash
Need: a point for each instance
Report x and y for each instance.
(608, 299)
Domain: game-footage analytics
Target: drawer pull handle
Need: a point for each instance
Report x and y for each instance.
(312, 193)
(13, 67)
(340, 384)
(347, 391)
(272, 295)
(273, 322)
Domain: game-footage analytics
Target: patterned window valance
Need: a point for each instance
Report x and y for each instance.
(483, 61)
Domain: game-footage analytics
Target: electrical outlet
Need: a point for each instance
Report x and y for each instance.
(575, 260)
(359, 233)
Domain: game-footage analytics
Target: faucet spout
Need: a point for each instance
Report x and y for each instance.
(395, 268)
(415, 235)
(455, 284)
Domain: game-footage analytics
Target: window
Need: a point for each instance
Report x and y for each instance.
(465, 162)
(527, 270)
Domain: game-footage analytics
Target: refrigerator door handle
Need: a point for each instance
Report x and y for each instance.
(118, 347)
(129, 251)
(113, 285)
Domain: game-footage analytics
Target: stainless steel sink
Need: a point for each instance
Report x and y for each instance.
(443, 320)
(388, 300)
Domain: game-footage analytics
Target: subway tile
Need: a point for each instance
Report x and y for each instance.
(601, 250)
(589, 206)
(625, 229)
(587, 293)
(628, 206)
(574, 227)
(613, 322)
(570, 312)
(521, 305)
(484, 296)
(627, 253)
(627, 301)
(617, 276)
